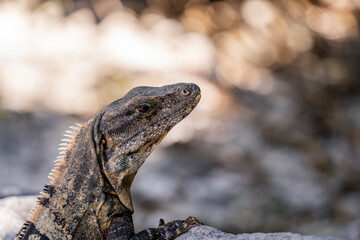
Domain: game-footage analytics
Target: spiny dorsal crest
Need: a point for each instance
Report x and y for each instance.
(55, 175)
(24, 229)
(57, 172)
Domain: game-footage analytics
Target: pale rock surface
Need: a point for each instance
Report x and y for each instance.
(210, 233)
(13, 214)
(14, 210)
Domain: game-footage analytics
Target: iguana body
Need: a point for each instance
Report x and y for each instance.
(89, 193)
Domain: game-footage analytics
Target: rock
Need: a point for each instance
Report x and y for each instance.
(209, 233)
(13, 213)
(14, 210)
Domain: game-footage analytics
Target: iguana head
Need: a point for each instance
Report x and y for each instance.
(131, 127)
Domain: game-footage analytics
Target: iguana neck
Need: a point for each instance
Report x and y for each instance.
(76, 191)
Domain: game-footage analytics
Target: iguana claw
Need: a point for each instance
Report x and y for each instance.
(161, 222)
(175, 228)
(188, 223)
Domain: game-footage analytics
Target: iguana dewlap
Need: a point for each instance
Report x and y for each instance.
(89, 193)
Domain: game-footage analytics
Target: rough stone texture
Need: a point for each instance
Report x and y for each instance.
(209, 233)
(13, 213)
(14, 210)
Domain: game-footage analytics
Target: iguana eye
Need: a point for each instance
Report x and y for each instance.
(144, 108)
(185, 92)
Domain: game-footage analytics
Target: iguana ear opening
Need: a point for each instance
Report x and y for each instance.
(105, 141)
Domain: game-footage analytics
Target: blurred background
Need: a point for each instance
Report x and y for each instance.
(272, 146)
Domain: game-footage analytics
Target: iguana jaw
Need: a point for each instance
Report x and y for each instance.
(122, 165)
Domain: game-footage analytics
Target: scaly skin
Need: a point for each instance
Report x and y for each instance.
(89, 193)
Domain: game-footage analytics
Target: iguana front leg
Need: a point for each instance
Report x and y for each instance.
(121, 228)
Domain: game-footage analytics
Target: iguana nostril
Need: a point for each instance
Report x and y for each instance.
(194, 88)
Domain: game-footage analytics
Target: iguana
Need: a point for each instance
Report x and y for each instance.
(88, 196)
